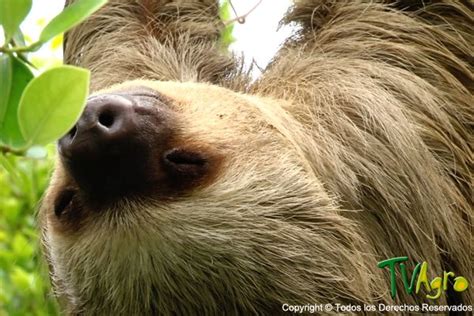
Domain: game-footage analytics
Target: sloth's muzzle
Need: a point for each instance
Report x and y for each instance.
(108, 151)
(126, 143)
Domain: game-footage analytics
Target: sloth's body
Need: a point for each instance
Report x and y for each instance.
(353, 147)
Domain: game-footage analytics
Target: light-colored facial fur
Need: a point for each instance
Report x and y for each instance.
(353, 147)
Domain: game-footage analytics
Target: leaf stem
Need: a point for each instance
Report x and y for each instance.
(30, 48)
(9, 150)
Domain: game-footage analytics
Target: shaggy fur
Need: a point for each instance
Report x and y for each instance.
(354, 146)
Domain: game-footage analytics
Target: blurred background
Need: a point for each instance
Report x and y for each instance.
(24, 282)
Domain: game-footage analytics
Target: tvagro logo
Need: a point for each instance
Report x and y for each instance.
(419, 277)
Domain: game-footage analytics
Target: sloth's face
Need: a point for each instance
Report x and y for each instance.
(167, 189)
(159, 143)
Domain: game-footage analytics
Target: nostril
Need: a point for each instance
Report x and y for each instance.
(72, 132)
(64, 200)
(106, 119)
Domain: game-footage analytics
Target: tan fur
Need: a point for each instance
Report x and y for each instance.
(353, 147)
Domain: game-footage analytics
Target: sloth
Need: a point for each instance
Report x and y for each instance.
(187, 188)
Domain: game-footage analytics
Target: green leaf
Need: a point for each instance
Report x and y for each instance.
(226, 37)
(18, 38)
(70, 17)
(12, 13)
(5, 84)
(11, 209)
(21, 279)
(21, 247)
(10, 133)
(52, 103)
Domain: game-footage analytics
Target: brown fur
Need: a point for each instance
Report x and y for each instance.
(354, 146)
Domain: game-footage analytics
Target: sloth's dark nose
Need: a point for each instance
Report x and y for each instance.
(105, 151)
(106, 119)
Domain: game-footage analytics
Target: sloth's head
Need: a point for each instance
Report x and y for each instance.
(189, 193)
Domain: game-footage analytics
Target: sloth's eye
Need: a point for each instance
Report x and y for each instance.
(179, 156)
(147, 95)
(63, 201)
(185, 163)
(145, 92)
(148, 98)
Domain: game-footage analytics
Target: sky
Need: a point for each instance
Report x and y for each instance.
(258, 38)
(40, 14)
